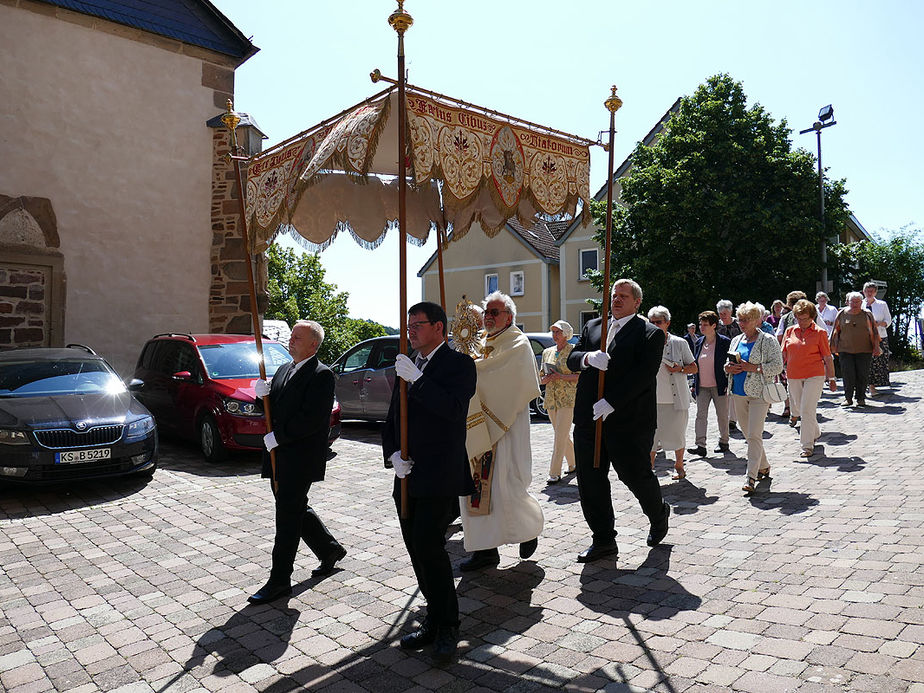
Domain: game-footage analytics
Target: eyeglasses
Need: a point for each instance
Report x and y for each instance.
(494, 312)
(657, 322)
(414, 326)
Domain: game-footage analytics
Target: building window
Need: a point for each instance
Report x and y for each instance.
(587, 260)
(517, 284)
(587, 316)
(490, 284)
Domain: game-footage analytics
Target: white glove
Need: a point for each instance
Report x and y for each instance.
(602, 409)
(406, 370)
(269, 440)
(261, 388)
(598, 359)
(402, 467)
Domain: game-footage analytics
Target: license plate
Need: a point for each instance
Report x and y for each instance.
(77, 456)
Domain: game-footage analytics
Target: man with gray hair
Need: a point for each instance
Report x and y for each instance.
(501, 511)
(826, 311)
(729, 327)
(629, 354)
(301, 396)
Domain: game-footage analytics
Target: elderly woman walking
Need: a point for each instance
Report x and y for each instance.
(710, 384)
(560, 387)
(879, 366)
(856, 341)
(754, 358)
(673, 393)
(809, 365)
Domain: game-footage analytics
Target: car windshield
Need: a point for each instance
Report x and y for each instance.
(27, 378)
(240, 359)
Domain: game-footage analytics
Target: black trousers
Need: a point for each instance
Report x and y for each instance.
(855, 371)
(424, 533)
(296, 520)
(632, 463)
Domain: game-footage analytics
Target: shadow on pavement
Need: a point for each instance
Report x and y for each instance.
(837, 438)
(787, 502)
(843, 464)
(183, 456)
(685, 497)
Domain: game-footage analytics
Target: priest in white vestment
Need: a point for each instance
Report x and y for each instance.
(502, 511)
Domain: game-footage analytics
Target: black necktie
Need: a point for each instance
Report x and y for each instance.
(421, 362)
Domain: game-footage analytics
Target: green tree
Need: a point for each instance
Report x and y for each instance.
(297, 290)
(720, 206)
(899, 262)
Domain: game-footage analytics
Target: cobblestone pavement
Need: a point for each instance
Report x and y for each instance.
(812, 585)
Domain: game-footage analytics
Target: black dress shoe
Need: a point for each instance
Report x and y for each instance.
(659, 528)
(445, 645)
(722, 447)
(528, 548)
(420, 638)
(732, 425)
(270, 592)
(481, 559)
(698, 451)
(328, 562)
(595, 552)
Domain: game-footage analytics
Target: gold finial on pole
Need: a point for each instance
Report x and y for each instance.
(400, 20)
(614, 103)
(231, 121)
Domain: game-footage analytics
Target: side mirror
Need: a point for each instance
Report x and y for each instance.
(134, 385)
(182, 375)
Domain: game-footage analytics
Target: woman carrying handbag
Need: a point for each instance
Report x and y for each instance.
(755, 360)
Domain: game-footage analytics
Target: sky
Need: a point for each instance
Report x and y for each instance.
(554, 62)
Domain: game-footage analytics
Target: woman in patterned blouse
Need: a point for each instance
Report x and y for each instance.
(560, 386)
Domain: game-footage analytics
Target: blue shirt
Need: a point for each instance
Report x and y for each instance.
(744, 349)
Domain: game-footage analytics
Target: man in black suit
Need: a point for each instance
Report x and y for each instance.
(439, 387)
(630, 358)
(301, 396)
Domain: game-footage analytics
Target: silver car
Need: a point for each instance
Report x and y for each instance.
(365, 377)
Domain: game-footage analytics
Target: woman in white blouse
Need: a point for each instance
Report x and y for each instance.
(673, 392)
(879, 366)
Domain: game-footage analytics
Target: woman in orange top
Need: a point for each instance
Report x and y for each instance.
(809, 363)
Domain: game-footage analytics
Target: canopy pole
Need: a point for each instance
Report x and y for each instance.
(231, 121)
(401, 21)
(612, 104)
(439, 257)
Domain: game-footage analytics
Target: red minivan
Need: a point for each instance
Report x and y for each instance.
(200, 387)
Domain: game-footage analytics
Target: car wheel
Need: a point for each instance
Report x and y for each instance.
(539, 406)
(210, 440)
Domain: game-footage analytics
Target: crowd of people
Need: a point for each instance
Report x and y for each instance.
(462, 446)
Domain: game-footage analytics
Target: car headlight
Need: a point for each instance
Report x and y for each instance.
(140, 428)
(8, 437)
(241, 408)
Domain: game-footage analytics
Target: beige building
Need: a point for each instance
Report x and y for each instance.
(114, 198)
(522, 262)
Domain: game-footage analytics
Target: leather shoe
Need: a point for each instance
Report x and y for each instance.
(528, 548)
(698, 451)
(420, 638)
(595, 552)
(732, 425)
(659, 528)
(328, 562)
(270, 592)
(722, 447)
(481, 559)
(445, 645)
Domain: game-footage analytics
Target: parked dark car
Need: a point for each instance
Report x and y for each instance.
(65, 415)
(200, 387)
(366, 376)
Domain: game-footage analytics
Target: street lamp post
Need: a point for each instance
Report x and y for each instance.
(825, 114)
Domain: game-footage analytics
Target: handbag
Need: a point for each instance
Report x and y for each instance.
(774, 390)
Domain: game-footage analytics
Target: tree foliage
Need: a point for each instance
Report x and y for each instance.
(899, 262)
(720, 206)
(297, 291)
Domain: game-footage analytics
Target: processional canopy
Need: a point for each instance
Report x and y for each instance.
(467, 165)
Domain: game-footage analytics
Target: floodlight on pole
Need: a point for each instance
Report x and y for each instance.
(825, 120)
